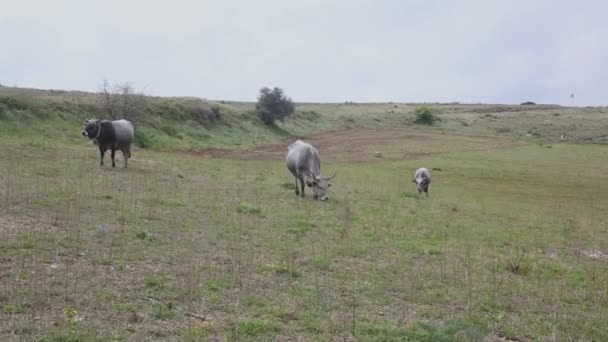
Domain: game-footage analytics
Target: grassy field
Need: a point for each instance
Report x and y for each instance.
(510, 245)
(204, 239)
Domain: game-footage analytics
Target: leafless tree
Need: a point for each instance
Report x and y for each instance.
(122, 101)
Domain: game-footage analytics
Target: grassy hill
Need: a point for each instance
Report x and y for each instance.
(35, 116)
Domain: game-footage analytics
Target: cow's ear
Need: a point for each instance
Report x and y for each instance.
(413, 180)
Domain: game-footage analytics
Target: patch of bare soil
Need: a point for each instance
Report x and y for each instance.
(592, 254)
(367, 145)
(11, 226)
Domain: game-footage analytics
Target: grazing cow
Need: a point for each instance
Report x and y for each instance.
(110, 135)
(422, 178)
(305, 165)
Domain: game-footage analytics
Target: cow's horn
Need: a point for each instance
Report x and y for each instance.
(330, 177)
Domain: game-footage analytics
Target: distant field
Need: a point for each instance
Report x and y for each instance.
(203, 238)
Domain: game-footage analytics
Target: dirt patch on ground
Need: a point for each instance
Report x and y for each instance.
(592, 254)
(11, 226)
(368, 145)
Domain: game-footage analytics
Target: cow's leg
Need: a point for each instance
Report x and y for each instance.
(112, 155)
(102, 151)
(297, 190)
(302, 185)
(125, 153)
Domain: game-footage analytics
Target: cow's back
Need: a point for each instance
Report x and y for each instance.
(302, 156)
(293, 156)
(124, 132)
(422, 173)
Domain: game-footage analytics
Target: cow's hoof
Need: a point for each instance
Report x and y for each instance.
(315, 196)
(297, 193)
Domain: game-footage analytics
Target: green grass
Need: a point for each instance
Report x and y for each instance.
(491, 251)
(501, 247)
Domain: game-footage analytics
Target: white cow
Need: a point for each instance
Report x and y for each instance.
(422, 178)
(305, 165)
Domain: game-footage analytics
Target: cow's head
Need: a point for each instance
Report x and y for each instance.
(320, 186)
(421, 183)
(91, 128)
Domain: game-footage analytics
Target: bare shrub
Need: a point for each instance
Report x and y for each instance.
(122, 101)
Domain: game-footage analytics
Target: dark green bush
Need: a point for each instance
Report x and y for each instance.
(13, 102)
(273, 105)
(143, 138)
(424, 116)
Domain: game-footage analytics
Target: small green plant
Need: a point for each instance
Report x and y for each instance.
(255, 327)
(153, 282)
(69, 313)
(424, 116)
(320, 262)
(248, 208)
(162, 312)
(141, 234)
(577, 279)
(518, 262)
(9, 309)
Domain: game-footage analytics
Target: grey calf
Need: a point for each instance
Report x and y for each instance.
(422, 178)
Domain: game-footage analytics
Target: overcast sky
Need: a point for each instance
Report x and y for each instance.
(316, 50)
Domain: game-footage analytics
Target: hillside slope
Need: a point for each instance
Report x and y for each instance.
(36, 116)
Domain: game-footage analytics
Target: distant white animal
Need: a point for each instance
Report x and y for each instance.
(305, 165)
(422, 178)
